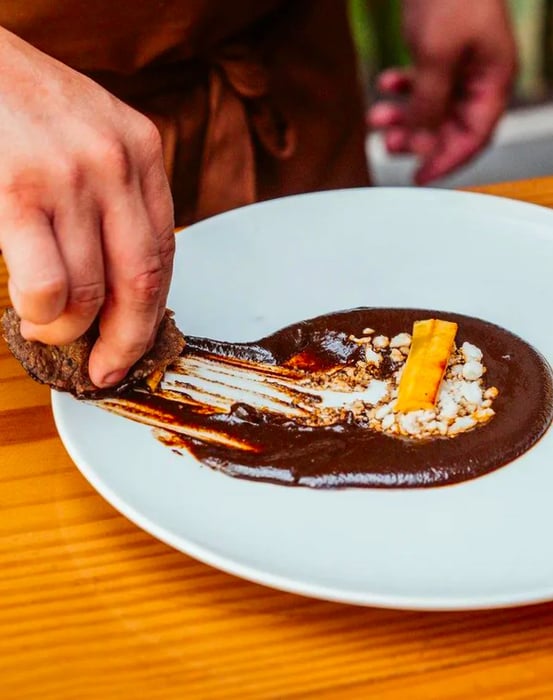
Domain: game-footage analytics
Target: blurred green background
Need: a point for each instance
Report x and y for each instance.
(376, 28)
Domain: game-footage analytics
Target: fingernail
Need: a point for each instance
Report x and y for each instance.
(114, 377)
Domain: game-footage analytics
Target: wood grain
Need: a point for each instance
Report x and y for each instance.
(92, 607)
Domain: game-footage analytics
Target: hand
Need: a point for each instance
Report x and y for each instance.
(85, 210)
(464, 62)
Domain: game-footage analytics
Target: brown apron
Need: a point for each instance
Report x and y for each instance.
(253, 98)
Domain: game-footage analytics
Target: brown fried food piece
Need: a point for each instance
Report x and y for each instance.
(65, 367)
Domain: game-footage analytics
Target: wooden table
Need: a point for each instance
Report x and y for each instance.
(92, 607)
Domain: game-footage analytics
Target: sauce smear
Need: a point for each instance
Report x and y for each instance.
(252, 443)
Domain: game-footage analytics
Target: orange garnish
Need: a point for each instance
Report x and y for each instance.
(426, 364)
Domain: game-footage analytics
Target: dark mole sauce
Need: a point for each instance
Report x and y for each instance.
(347, 454)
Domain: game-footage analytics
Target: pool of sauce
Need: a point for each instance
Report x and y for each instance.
(279, 450)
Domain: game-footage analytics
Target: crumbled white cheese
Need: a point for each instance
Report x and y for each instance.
(471, 352)
(396, 355)
(383, 411)
(376, 392)
(408, 423)
(473, 370)
(381, 342)
(472, 393)
(448, 406)
(461, 424)
(483, 414)
(388, 421)
(372, 357)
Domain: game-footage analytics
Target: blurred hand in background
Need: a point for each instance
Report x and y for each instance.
(445, 107)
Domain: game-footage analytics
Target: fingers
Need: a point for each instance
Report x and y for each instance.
(397, 140)
(138, 246)
(392, 117)
(77, 228)
(423, 142)
(427, 90)
(449, 110)
(485, 101)
(386, 114)
(455, 147)
(158, 201)
(135, 280)
(396, 81)
(38, 283)
(63, 263)
(401, 135)
(432, 90)
(469, 127)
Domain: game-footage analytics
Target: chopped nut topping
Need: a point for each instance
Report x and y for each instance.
(400, 340)
(463, 401)
(372, 357)
(396, 355)
(381, 342)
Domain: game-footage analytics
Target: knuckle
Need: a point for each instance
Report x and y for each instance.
(150, 138)
(160, 209)
(86, 299)
(167, 245)
(114, 159)
(129, 350)
(146, 285)
(19, 192)
(72, 175)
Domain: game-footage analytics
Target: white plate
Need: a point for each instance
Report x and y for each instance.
(247, 273)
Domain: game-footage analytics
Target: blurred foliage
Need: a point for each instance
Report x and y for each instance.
(376, 25)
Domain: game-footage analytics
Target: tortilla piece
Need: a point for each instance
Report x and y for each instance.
(65, 367)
